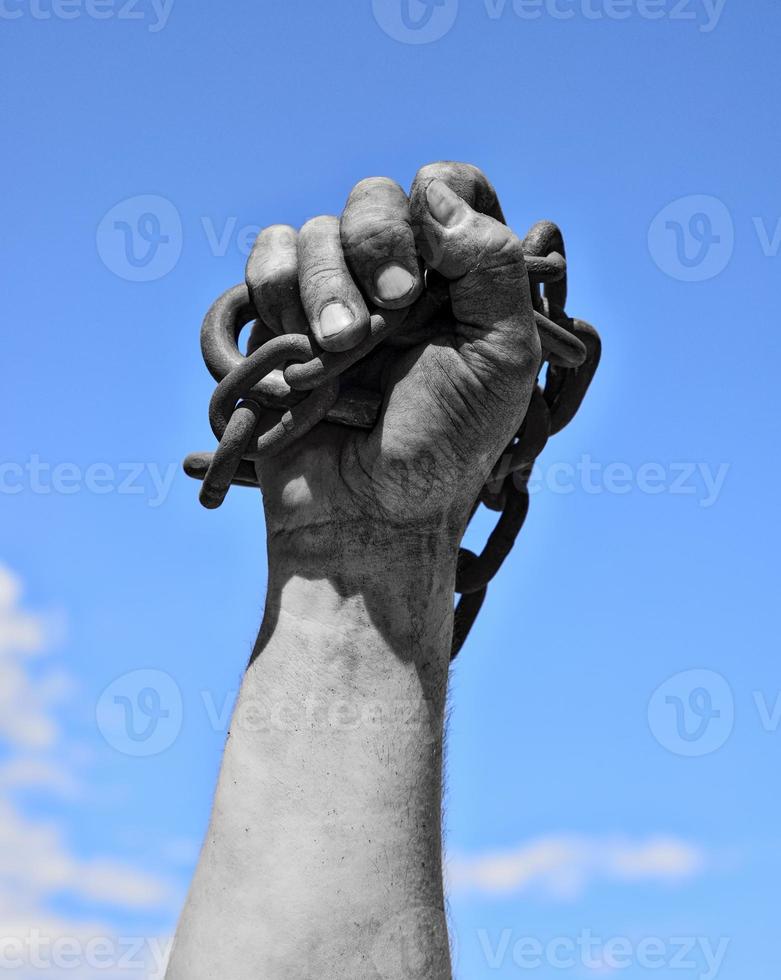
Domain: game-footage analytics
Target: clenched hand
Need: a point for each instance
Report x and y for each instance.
(451, 402)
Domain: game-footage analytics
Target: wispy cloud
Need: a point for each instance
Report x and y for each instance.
(38, 866)
(58, 947)
(33, 772)
(563, 866)
(26, 717)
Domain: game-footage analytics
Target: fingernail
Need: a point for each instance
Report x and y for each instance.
(445, 204)
(334, 318)
(392, 282)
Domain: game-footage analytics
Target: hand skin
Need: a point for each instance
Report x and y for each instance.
(323, 854)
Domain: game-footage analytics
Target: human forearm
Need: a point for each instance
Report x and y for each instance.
(326, 822)
(323, 855)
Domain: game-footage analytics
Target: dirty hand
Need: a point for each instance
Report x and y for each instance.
(451, 404)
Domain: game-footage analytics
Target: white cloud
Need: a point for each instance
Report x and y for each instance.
(35, 772)
(563, 866)
(19, 631)
(37, 865)
(660, 857)
(26, 717)
(57, 947)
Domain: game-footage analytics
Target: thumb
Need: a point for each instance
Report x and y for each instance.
(483, 261)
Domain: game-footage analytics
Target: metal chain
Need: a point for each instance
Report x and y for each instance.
(550, 409)
(292, 374)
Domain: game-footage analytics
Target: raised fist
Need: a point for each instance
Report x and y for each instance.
(457, 376)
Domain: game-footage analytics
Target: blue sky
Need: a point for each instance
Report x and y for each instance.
(614, 738)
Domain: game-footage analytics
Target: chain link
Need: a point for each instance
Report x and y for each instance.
(551, 408)
(291, 374)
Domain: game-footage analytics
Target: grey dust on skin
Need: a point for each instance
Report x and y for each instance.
(389, 385)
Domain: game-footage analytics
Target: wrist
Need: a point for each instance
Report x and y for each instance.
(355, 544)
(395, 582)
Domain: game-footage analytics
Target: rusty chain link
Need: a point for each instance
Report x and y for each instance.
(292, 374)
(550, 409)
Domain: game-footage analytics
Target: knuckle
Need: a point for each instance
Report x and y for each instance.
(321, 282)
(430, 170)
(272, 276)
(371, 237)
(325, 275)
(495, 245)
(318, 235)
(272, 268)
(323, 224)
(274, 289)
(481, 247)
(274, 247)
(320, 254)
(273, 293)
(452, 171)
(277, 233)
(371, 185)
(269, 269)
(476, 174)
(506, 248)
